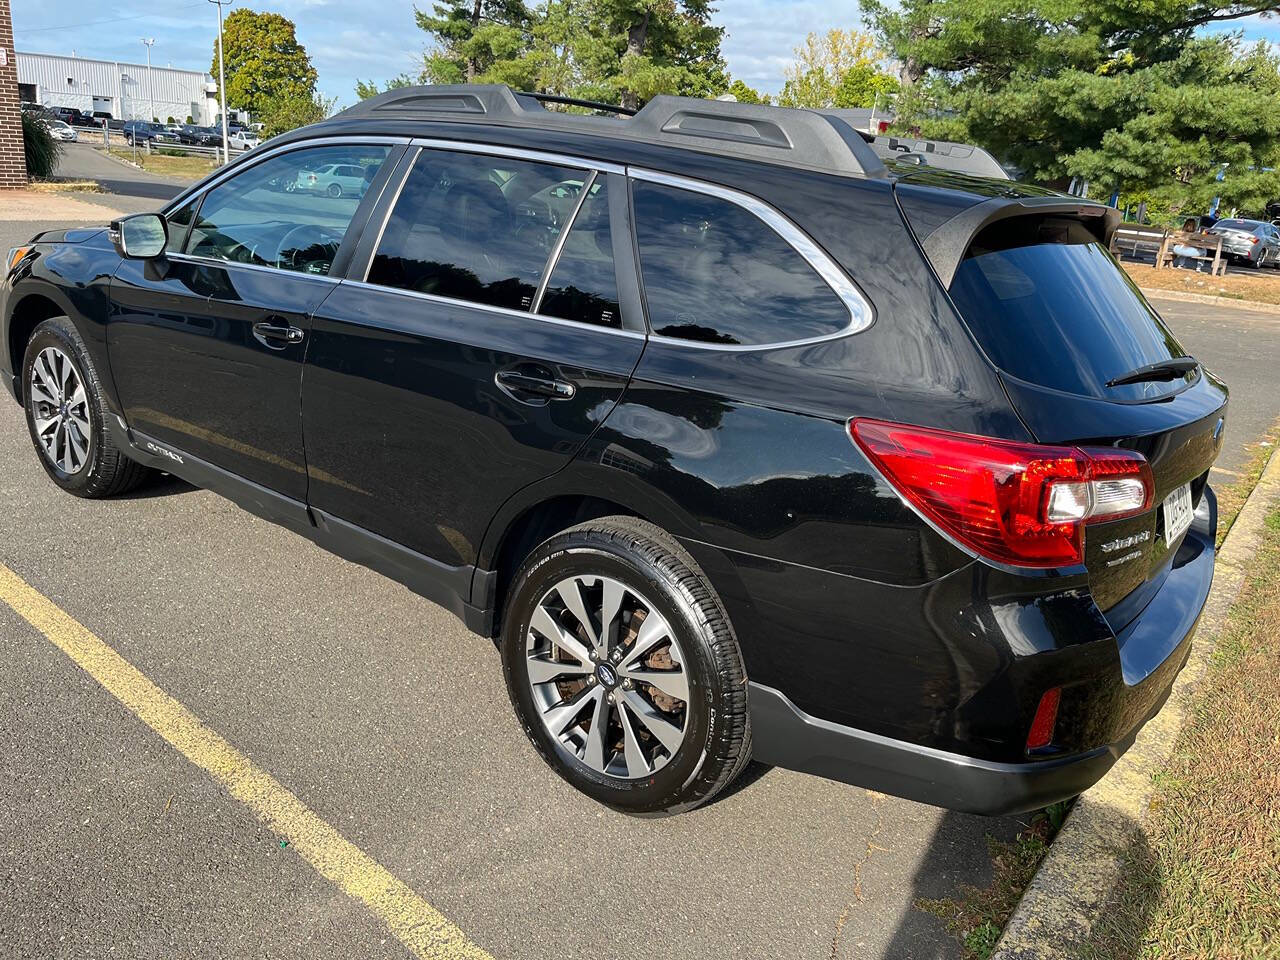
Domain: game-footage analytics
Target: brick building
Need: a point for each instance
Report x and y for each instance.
(13, 164)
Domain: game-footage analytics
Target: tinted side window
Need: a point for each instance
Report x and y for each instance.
(583, 286)
(475, 228)
(715, 272)
(277, 214)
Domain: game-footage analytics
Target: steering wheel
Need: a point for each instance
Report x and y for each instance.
(307, 236)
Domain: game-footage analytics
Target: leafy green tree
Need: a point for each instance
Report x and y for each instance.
(865, 86)
(367, 89)
(472, 36)
(821, 64)
(265, 64)
(744, 94)
(1122, 93)
(614, 50)
(293, 111)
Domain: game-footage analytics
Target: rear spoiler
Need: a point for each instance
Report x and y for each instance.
(946, 244)
(940, 154)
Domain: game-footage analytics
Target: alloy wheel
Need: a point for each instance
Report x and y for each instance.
(60, 411)
(608, 676)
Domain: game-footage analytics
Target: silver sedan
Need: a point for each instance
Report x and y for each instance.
(1250, 241)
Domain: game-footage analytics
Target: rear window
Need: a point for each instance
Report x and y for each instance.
(1249, 225)
(1050, 306)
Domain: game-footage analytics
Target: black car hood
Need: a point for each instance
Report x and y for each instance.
(68, 235)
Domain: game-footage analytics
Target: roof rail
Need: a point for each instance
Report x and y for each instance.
(802, 138)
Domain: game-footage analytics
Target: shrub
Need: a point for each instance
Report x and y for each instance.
(42, 151)
(168, 120)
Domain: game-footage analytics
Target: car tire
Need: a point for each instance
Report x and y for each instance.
(67, 418)
(638, 765)
(334, 190)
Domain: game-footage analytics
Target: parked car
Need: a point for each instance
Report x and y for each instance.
(73, 117)
(1249, 241)
(335, 179)
(738, 437)
(102, 115)
(61, 130)
(243, 139)
(141, 131)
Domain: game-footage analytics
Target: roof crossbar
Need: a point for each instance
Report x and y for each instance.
(801, 138)
(578, 102)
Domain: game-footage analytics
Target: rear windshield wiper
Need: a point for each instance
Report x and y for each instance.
(1164, 370)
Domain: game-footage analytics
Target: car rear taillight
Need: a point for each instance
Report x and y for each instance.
(1021, 504)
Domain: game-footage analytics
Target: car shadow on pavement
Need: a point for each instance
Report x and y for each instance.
(158, 485)
(958, 857)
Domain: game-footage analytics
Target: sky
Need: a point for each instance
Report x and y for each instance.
(374, 40)
(378, 39)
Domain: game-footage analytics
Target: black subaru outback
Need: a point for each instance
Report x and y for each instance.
(742, 433)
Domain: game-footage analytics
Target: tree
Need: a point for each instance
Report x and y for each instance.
(293, 111)
(365, 90)
(865, 86)
(1123, 94)
(471, 36)
(744, 94)
(265, 64)
(821, 64)
(625, 51)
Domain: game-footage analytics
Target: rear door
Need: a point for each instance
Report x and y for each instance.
(1063, 323)
(484, 342)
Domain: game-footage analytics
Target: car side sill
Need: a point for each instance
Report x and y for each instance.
(783, 735)
(448, 586)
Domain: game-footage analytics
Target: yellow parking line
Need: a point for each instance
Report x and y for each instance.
(417, 924)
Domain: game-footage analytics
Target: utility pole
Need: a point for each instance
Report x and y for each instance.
(151, 90)
(222, 86)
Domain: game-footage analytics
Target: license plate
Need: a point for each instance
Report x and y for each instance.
(1177, 514)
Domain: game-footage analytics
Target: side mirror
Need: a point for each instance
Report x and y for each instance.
(140, 237)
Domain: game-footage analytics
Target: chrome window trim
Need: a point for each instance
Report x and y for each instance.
(471, 305)
(518, 153)
(409, 163)
(861, 313)
(215, 262)
(260, 154)
(558, 247)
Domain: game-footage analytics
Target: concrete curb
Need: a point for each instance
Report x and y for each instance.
(120, 160)
(1158, 294)
(1085, 861)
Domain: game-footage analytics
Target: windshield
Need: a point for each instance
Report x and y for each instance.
(1050, 306)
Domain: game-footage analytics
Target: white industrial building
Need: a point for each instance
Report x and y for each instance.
(127, 91)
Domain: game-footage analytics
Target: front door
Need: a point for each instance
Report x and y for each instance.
(207, 344)
(465, 368)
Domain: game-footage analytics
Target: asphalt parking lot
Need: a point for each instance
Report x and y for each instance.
(382, 715)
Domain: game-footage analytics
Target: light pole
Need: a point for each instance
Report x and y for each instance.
(151, 90)
(222, 85)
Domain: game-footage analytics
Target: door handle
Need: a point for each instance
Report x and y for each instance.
(553, 388)
(277, 336)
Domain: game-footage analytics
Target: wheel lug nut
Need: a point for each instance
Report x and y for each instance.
(627, 684)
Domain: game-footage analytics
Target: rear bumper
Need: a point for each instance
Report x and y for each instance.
(786, 736)
(1152, 650)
